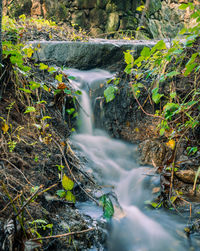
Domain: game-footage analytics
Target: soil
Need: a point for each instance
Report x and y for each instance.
(31, 150)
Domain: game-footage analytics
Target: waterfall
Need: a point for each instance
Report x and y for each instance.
(112, 163)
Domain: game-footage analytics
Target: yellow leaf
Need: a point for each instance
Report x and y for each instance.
(171, 144)
(67, 183)
(137, 129)
(5, 128)
(70, 197)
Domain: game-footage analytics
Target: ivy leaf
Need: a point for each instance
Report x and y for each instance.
(107, 205)
(67, 183)
(70, 197)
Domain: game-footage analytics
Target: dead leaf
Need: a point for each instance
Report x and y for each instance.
(5, 127)
(156, 190)
(171, 144)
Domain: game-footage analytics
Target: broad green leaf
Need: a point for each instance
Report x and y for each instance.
(145, 52)
(61, 193)
(70, 197)
(170, 107)
(156, 97)
(43, 66)
(30, 109)
(109, 93)
(34, 85)
(189, 69)
(159, 46)
(67, 183)
(59, 77)
(107, 206)
(51, 69)
(128, 58)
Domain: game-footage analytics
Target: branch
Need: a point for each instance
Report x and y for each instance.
(63, 235)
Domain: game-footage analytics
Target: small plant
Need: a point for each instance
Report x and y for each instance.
(67, 185)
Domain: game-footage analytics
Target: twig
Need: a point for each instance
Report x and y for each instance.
(27, 202)
(74, 178)
(18, 170)
(63, 235)
(148, 114)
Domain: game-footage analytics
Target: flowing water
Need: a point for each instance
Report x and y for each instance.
(113, 163)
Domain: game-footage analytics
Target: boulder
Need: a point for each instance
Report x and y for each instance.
(102, 53)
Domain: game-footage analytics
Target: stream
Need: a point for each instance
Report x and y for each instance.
(114, 164)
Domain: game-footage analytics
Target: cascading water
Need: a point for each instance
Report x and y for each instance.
(113, 163)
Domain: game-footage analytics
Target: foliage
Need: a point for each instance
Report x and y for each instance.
(164, 66)
(107, 205)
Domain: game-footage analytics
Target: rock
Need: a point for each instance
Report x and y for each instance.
(97, 17)
(106, 54)
(113, 22)
(155, 5)
(154, 152)
(85, 4)
(187, 176)
(96, 32)
(78, 18)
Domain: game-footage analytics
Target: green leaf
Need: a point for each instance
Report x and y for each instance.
(109, 93)
(51, 69)
(128, 57)
(107, 206)
(162, 131)
(171, 107)
(43, 66)
(189, 69)
(172, 94)
(70, 197)
(146, 52)
(156, 96)
(59, 77)
(183, 6)
(70, 111)
(30, 109)
(25, 90)
(67, 91)
(78, 92)
(172, 74)
(67, 183)
(159, 46)
(61, 193)
(34, 85)
(140, 8)
(71, 78)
